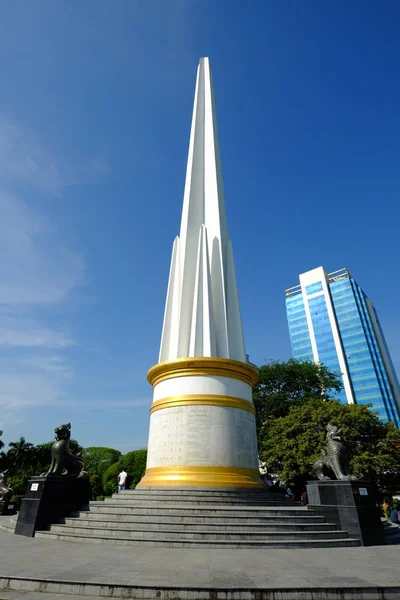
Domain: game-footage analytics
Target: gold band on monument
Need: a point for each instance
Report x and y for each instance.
(208, 366)
(202, 400)
(201, 477)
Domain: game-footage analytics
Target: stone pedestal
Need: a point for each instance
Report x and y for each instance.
(351, 505)
(7, 508)
(48, 499)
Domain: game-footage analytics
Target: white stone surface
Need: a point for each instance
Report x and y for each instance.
(222, 386)
(202, 436)
(202, 314)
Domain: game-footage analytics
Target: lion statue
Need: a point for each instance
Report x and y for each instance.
(5, 491)
(63, 462)
(334, 461)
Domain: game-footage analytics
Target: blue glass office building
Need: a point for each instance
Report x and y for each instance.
(333, 322)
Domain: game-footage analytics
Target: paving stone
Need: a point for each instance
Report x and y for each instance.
(208, 569)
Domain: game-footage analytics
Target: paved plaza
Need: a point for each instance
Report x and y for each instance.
(130, 572)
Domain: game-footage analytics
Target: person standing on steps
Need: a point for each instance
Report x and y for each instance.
(122, 480)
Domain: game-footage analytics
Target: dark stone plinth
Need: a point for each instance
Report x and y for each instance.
(7, 508)
(351, 505)
(48, 499)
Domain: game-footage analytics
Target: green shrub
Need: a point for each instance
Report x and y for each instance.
(18, 483)
(100, 498)
(110, 475)
(16, 500)
(134, 464)
(96, 485)
(98, 459)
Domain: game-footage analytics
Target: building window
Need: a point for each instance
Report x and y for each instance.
(313, 288)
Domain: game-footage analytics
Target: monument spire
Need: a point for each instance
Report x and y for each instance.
(202, 315)
(202, 424)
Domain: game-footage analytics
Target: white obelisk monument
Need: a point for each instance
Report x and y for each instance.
(202, 424)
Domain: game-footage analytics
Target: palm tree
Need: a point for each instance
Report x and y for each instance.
(19, 453)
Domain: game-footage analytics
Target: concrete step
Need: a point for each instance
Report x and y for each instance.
(182, 535)
(206, 491)
(167, 517)
(133, 496)
(190, 510)
(194, 501)
(7, 523)
(208, 525)
(198, 497)
(29, 595)
(178, 543)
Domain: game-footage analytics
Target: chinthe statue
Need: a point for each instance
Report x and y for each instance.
(5, 491)
(63, 462)
(335, 460)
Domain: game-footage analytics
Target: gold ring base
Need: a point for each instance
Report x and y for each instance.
(206, 366)
(201, 477)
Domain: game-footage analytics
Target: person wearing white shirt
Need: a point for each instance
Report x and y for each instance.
(122, 480)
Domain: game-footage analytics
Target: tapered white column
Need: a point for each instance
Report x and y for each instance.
(202, 427)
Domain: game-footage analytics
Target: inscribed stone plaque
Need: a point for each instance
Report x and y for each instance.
(203, 435)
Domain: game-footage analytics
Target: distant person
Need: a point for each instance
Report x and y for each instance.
(394, 517)
(267, 481)
(122, 480)
(385, 506)
(289, 494)
(304, 498)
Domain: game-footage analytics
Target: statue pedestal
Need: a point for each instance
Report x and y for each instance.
(48, 499)
(350, 505)
(7, 508)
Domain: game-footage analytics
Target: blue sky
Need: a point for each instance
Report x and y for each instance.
(95, 110)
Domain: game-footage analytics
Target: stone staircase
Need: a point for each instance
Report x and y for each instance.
(199, 518)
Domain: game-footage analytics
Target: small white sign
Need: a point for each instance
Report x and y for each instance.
(363, 491)
(34, 487)
(10, 506)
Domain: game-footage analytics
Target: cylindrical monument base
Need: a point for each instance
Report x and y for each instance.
(202, 424)
(201, 476)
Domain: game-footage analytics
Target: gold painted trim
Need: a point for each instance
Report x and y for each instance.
(203, 365)
(201, 477)
(202, 400)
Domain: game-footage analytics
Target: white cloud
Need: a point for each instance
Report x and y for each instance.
(114, 403)
(53, 363)
(26, 333)
(34, 269)
(31, 389)
(37, 270)
(23, 160)
(24, 386)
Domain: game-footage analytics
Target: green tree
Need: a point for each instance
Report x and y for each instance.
(109, 478)
(1, 443)
(134, 464)
(19, 455)
(42, 457)
(98, 459)
(283, 385)
(291, 444)
(24, 460)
